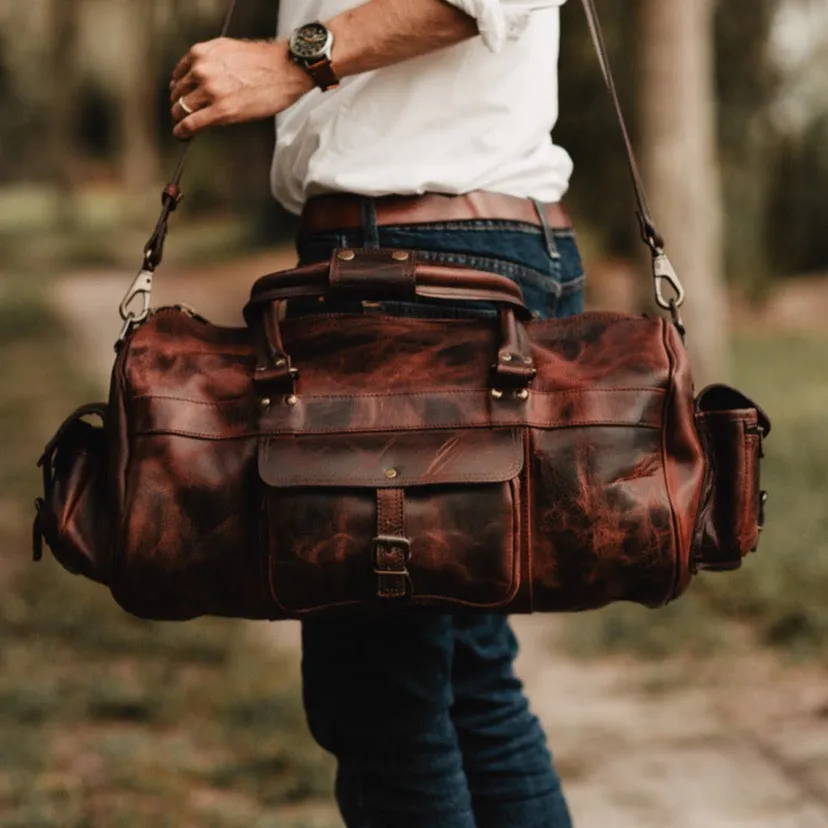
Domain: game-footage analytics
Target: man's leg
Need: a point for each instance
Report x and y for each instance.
(508, 766)
(378, 696)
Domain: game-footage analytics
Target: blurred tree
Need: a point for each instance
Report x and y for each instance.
(64, 25)
(140, 163)
(747, 84)
(680, 166)
(753, 150)
(600, 198)
(797, 208)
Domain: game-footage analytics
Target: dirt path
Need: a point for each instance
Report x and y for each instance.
(730, 743)
(734, 742)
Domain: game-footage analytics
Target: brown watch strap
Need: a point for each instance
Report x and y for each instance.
(323, 74)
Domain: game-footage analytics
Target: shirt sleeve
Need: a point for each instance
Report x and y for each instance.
(502, 20)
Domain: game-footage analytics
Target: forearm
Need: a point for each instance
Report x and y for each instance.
(228, 81)
(380, 33)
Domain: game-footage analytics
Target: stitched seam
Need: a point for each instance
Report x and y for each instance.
(513, 270)
(427, 393)
(668, 399)
(207, 435)
(500, 477)
(474, 225)
(413, 322)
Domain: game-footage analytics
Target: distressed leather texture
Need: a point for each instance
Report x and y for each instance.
(402, 467)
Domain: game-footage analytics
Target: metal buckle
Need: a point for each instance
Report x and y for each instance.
(392, 542)
(400, 592)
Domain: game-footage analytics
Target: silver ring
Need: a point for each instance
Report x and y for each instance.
(184, 106)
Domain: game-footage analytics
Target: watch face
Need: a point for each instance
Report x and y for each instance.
(310, 41)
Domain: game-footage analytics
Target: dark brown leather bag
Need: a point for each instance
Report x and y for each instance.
(515, 466)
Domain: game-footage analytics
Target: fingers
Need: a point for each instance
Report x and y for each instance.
(182, 68)
(194, 123)
(182, 87)
(185, 105)
(184, 65)
(190, 90)
(189, 71)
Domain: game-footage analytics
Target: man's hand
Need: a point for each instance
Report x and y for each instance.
(227, 81)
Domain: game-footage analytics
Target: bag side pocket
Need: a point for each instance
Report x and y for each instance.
(732, 430)
(71, 516)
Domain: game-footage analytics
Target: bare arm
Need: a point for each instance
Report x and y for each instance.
(229, 81)
(384, 32)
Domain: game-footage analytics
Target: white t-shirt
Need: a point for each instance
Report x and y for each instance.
(474, 116)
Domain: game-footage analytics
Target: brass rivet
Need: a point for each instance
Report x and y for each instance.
(346, 255)
(505, 357)
(280, 363)
(527, 360)
(523, 394)
(292, 399)
(496, 393)
(264, 402)
(399, 256)
(391, 473)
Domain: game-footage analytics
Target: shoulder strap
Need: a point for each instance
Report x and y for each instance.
(141, 287)
(663, 272)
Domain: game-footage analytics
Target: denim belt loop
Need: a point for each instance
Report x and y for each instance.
(548, 236)
(370, 228)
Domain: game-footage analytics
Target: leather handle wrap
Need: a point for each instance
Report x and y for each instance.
(411, 279)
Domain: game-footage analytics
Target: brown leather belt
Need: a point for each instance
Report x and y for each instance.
(344, 211)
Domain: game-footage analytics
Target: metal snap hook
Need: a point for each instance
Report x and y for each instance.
(141, 286)
(663, 271)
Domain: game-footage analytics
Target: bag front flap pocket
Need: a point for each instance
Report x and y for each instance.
(428, 517)
(391, 459)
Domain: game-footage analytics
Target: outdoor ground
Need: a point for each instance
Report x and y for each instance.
(710, 714)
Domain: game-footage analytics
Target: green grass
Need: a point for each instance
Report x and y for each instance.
(106, 720)
(108, 229)
(779, 593)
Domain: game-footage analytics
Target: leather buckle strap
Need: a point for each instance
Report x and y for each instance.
(391, 556)
(343, 211)
(391, 549)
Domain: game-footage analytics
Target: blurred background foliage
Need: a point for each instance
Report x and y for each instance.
(84, 106)
(772, 132)
(106, 720)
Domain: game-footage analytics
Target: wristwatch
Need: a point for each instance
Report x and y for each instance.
(310, 47)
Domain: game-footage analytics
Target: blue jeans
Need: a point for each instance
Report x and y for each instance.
(423, 712)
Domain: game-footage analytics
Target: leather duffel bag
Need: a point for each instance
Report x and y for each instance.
(338, 462)
(516, 465)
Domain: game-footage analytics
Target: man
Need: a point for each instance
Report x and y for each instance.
(430, 122)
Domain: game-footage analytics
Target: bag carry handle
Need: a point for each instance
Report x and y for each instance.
(384, 274)
(664, 275)
(362, 274)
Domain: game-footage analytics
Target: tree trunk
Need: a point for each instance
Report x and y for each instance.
(681, 169)
(63, 17)
(140, 163)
